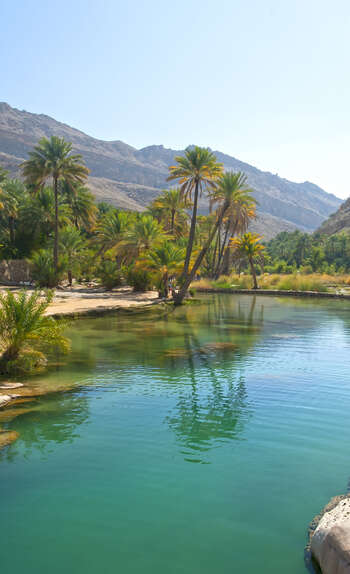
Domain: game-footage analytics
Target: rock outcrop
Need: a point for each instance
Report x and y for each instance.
(338, 222)
(330, 537)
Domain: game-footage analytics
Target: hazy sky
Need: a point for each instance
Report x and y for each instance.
(267, 81)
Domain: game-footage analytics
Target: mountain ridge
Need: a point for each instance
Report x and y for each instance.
(130, 178)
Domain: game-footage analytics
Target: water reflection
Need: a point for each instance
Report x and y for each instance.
(45, 422)
(212, 404)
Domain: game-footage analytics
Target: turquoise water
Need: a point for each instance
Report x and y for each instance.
(197, 442)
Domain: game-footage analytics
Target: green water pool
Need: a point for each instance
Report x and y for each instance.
(200, 441)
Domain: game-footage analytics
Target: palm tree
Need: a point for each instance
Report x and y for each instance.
(249, 249)
(53, 159)
(38, 212)
(71, 245)
(236, 222)
(196, 171)
(81, 203)
(25, 332)
(171, 206)
(11, 196)
(141, 236)
(228, 190)
(166, 259)
(111, 228)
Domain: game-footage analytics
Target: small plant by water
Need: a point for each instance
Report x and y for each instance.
(27, 335)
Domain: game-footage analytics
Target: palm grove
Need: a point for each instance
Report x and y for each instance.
(51, 219)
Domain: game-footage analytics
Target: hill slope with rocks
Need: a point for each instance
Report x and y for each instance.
(338, 221)
(130, 178)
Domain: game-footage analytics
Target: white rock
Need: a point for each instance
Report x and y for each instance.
(330, 543)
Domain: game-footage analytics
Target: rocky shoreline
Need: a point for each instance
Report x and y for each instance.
(328, 549)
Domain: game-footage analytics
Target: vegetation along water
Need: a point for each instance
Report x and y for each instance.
(194, 441)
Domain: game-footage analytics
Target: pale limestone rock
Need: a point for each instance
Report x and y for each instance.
(330, 543)
(11, 385)
(4, 399)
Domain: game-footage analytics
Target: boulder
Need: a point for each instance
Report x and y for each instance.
(330, 541)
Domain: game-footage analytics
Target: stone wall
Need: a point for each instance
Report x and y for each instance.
(15, 272)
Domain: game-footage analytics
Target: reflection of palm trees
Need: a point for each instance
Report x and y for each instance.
(205, 415)
(49, 421)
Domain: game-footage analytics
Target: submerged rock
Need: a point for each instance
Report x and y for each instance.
(330, 537)
(7, 437)
(11, 385)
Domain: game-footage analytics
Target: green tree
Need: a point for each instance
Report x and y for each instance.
(229, 187)
(26, 333)
(81, 203)
(248, 248)
(52, 159)
(165, 260)
(198, 170)
(172, 207)
(11, 196)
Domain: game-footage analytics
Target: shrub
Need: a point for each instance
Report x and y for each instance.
(44, 270)
(110, 274)
(139, 279)
(26, 334)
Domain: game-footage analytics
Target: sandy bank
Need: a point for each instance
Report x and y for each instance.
(80, 303)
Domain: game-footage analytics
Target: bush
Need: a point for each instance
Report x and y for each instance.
(44, 270)
(26, 333)
(110, 274)
(139, 279)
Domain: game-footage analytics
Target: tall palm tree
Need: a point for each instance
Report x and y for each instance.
(196, 171)
(248, 248)
(52, 159)
(236, 222)
(171, 205)
(229, 187)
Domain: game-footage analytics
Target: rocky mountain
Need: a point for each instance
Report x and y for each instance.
(130, 178)
(338, 221)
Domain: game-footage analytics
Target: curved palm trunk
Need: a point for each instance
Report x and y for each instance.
(252, 268)
(172, 225)
(179, 297)
(55, 244)
(192, 231)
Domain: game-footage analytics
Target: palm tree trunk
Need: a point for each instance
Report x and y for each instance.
(192, 231)
(222, 251)
(252, 268)
(55, 244)
(172, 221)
(179, 297)
(70, 277)
(12, 230)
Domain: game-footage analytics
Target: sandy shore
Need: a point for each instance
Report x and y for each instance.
(84, 302)
(80, 301)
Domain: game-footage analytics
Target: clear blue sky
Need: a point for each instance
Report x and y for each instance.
(264, 80)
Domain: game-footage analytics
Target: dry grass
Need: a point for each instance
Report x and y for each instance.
(317, 282)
